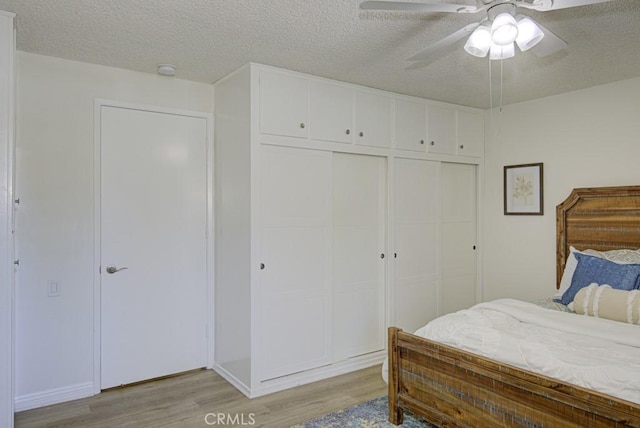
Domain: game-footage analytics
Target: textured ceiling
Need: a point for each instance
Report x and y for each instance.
(207, 39)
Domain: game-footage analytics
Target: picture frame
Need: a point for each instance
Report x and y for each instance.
(523, 189)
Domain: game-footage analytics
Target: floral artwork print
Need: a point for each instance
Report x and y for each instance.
(522, 189)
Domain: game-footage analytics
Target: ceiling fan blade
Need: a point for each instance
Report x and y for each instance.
(445, 42)
(418, 7)
(550, 44)
(544, 5)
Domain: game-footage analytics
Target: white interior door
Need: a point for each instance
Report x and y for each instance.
(153, 231)
(359, 201)
(416, 272)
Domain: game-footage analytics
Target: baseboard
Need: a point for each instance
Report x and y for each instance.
(321, 373)
(240, 386)
(301, 378)
(53, 396)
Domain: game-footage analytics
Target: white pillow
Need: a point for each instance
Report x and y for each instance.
(623, 256)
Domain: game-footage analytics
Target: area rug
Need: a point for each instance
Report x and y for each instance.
(370, 414)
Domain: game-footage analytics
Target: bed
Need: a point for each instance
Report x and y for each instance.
(448, 386)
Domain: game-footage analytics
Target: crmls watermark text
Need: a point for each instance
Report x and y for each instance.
(222, 419)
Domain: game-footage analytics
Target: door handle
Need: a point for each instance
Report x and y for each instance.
(112, 269)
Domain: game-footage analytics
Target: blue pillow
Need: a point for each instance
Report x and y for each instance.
(601, 271)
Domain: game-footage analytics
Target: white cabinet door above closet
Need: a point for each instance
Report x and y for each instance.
(331, 114)
(295, 284)
(416, 211)
(358, 246)
(284, 104)
(373, 119)
(470, 133)
(442, 129)
(410, 125)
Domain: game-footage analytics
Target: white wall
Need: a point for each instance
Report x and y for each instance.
(55, 137)
(587, 138)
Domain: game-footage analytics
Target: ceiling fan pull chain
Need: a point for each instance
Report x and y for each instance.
(501, 80)
(491, 92)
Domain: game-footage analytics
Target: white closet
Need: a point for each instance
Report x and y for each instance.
(329, 223)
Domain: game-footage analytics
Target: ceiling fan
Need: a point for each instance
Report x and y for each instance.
(497, 33)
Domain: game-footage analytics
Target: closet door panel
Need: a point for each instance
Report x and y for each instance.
(410, 125)
(470, 133)
(416, 259)
(459, 234)
(358, 242)
(441, 123)
(331, 112)
(295, 248)
(284, 104)
(373, 119)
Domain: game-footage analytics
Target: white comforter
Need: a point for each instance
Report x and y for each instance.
(591, 352)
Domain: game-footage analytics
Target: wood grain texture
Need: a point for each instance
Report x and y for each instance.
(453, 388)
(184, 401)
(599, 218)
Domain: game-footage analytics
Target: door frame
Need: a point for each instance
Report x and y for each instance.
(97, 174)
(7, 217)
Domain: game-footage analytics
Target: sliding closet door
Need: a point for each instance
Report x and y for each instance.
(415, 218)
(459, 255)
(295, 248)
(359, 200)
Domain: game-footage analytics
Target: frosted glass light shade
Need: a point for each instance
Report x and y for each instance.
(529, 34)
(502, 51)
(479, 42)
(504, 29)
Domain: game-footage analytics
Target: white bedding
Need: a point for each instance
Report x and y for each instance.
(591, 352)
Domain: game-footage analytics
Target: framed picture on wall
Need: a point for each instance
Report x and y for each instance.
(523, 189)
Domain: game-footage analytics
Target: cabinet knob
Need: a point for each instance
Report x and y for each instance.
(433, 143)
(421, 141)
(348, 132)
(302, 125)
(361, 134)
(395, 255)
(462, 146)
(382, 256)
(261, 266)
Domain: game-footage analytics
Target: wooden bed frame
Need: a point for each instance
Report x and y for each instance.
(451, 387)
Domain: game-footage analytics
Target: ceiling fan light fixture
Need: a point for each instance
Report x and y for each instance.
(479, 42)
(529, 34)
(504, 29)
(502, 51)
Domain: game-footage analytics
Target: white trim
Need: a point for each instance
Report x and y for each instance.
(7, 247)
(98, 104)
(54, 396)
(302, 378)
(234, 381)
(210, 243)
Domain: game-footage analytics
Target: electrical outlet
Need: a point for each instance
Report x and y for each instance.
(53, 288)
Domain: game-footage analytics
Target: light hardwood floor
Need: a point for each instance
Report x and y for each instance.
(185, 401)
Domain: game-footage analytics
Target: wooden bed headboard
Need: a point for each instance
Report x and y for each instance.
(600, 218)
